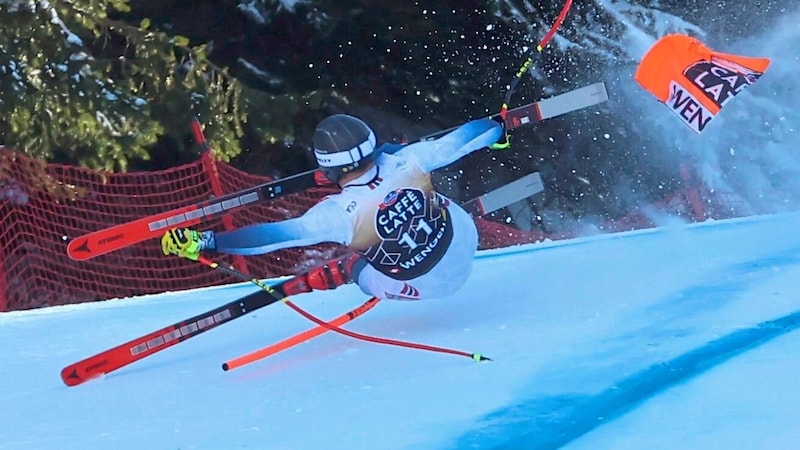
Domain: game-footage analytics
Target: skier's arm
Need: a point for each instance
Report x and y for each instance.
(467, 138)
(325, 222)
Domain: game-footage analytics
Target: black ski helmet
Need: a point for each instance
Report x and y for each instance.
(343, 143)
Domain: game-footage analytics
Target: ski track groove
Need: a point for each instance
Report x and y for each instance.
(555, 421)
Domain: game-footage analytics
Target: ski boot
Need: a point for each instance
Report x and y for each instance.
(327, 276)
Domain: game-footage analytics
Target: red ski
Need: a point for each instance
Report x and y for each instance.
(107, 240)
(120, 236)
(120, 356)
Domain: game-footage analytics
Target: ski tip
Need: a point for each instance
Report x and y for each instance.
(225, 367)
(71, 377)
(78, 249)
(600, 92)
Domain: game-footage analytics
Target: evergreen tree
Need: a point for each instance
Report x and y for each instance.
(79, 85)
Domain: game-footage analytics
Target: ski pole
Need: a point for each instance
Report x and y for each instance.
(523, 69)
(377, 340)
(299, 338)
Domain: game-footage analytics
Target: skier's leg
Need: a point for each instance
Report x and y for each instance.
(327, 276)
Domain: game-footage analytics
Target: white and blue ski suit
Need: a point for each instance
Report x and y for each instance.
(416, 242)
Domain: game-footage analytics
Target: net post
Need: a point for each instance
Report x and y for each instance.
(693, 196)
(212, 174)
(3, 291)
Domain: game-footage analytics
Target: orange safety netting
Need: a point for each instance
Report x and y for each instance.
(43, 206)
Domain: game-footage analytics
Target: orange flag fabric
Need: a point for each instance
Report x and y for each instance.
(694, 81)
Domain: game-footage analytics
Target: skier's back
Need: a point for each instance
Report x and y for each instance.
(410, 242)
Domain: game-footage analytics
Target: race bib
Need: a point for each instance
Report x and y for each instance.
(415, 232)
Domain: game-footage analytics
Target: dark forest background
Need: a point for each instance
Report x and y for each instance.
(114, 84)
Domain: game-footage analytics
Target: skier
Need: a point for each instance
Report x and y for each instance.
(409, 241)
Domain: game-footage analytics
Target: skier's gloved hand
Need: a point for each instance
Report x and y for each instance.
(186, 243)
(505, 140)
(503, 143)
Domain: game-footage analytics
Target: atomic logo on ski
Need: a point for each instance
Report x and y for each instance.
(84, 247)
(73, 376)
(109, 239)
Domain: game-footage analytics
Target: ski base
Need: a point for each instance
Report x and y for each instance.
(505, 195)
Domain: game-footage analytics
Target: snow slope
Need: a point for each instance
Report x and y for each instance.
(679, 337)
